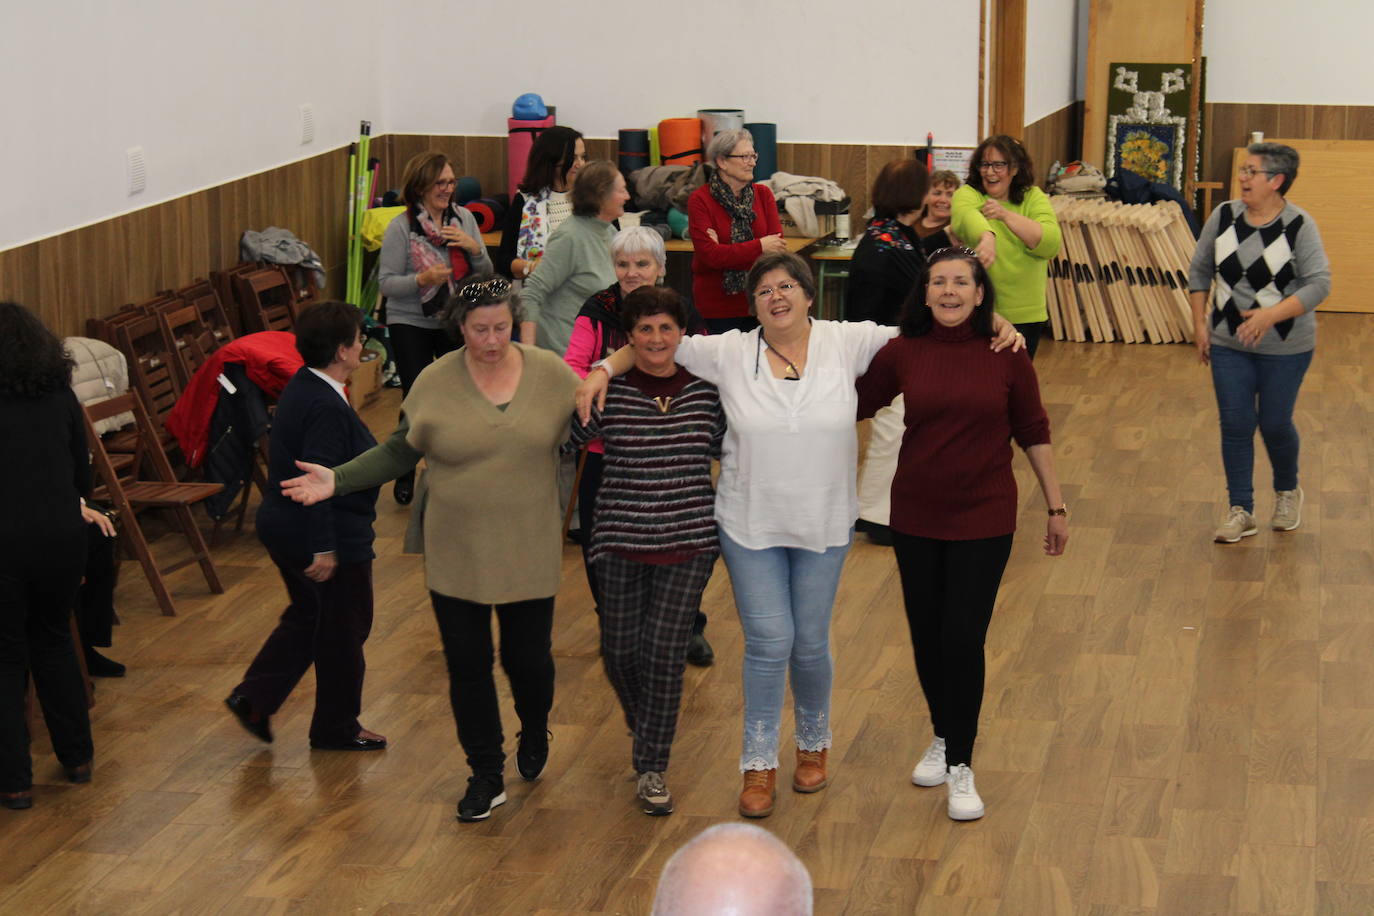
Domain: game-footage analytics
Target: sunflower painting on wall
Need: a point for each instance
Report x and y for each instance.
(1144, 133)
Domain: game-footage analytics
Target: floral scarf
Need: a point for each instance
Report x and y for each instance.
(741, 212)
(889, 233)
(533, 236)
(428, 248)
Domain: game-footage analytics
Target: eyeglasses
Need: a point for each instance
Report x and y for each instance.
(1246, 171)
(447, 183)
(993, 166)
(768, 291)
(496, 288)
(748, 157)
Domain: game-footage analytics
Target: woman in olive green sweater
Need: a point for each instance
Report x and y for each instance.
(488, 419)
(1013, 229)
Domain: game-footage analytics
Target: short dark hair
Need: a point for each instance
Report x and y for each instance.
(592, 186)
(1279, 159)
(324, 327)
(478, 292)
(1015, 153)
(899, 188)
(796, 268)
(916, 316)
(550, 158)
(419, 176)
(652, 300)
(32, 360)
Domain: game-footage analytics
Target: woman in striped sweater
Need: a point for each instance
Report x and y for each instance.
(653, 541)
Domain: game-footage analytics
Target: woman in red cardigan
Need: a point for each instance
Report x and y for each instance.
(731, 222)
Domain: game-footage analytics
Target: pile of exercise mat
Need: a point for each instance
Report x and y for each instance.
(1122, 273)
(664, 164)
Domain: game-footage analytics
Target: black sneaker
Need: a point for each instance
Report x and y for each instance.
(699, 651)
(532, 753)
(484, 793)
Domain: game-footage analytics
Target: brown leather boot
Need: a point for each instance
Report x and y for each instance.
(810, 775)
(760, 789)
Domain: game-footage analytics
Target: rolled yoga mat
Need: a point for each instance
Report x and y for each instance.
(766, 145)
(634, 150)
(469, 189)
(677, 221)
(488, 212)
(679, 141)
(654, 156)
(715, 120)
(522, 134)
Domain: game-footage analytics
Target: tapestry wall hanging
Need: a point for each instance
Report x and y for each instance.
(1147, 120)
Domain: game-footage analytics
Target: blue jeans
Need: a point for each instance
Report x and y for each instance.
(1257, 389)
(784, 596)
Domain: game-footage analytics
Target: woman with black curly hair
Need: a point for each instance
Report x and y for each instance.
(44, 475)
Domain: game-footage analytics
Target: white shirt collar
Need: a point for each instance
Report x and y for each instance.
(333, 383)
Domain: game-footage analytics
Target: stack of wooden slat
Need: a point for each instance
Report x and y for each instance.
(1122, 273)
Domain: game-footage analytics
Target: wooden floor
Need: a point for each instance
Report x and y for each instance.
(1170, 726)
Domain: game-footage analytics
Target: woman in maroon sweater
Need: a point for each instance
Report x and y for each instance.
(954, 495)
(731, 222)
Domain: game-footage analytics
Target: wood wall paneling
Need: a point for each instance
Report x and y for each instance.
(1229, 125)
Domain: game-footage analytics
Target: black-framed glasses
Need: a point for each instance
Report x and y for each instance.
(1246, 171)
(993, 166)
(496, 288)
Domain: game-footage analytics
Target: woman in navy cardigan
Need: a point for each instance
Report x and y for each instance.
(323, 552)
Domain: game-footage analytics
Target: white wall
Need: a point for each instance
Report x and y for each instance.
(209, 89)
(862, 71)
(1051, 56)
(1274, 51)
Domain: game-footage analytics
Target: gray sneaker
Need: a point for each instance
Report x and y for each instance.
(654, 797)
(1239, 524)
(1287, 509)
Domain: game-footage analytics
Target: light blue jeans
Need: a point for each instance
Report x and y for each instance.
(784, 596)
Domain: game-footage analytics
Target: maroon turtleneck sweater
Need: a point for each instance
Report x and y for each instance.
(963, 404)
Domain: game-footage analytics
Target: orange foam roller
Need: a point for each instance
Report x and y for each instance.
(679, 141)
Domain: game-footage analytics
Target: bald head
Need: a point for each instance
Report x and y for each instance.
(734, 870)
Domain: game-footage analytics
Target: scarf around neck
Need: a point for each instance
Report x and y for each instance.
(741, 212)
(427, 248)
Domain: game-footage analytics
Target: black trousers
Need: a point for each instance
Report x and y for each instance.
(414, 348)
(325, 624)
(949, 588)
(1032, 330)
(526, 656)
(36, 600)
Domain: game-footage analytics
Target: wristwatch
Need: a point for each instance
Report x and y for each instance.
(1062, 510)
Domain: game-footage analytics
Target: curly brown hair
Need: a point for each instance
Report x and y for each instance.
(1011, 150)
(32, 360)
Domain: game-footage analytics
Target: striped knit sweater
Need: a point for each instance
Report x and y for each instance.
(656, 502)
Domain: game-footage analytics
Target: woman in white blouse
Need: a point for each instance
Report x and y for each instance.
(785, 501)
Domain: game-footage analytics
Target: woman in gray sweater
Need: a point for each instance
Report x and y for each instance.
(427, 254)
(577, 262)
(1270, 269)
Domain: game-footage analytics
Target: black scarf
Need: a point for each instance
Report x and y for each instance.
(741, 212)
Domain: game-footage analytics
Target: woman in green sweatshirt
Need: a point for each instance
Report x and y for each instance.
(1012, 227)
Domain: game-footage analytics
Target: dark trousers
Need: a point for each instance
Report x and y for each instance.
(414, 348)
(949, 588)
(325, 624)
(526, 656)
(586, 509)
(36, 602)
(95, 601)
(1032, 330)
(646, 624)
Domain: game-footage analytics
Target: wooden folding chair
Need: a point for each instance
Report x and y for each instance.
(106, 327)
(203, 297)
(267, 298)
(191, 342)
(152, 369)
(223, 283)
(131, 492)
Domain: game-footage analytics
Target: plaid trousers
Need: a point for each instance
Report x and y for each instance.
(647, 612)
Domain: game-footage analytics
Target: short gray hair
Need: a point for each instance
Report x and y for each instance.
(724, 143)
(635, 239)
(1279, 159)
(739, 865)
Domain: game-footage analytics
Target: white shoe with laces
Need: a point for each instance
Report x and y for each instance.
(964, 801)
(931, 771)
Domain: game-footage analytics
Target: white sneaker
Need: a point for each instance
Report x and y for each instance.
(1287, 509)
(964, 802)
(1239, 524)
(931, 770)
